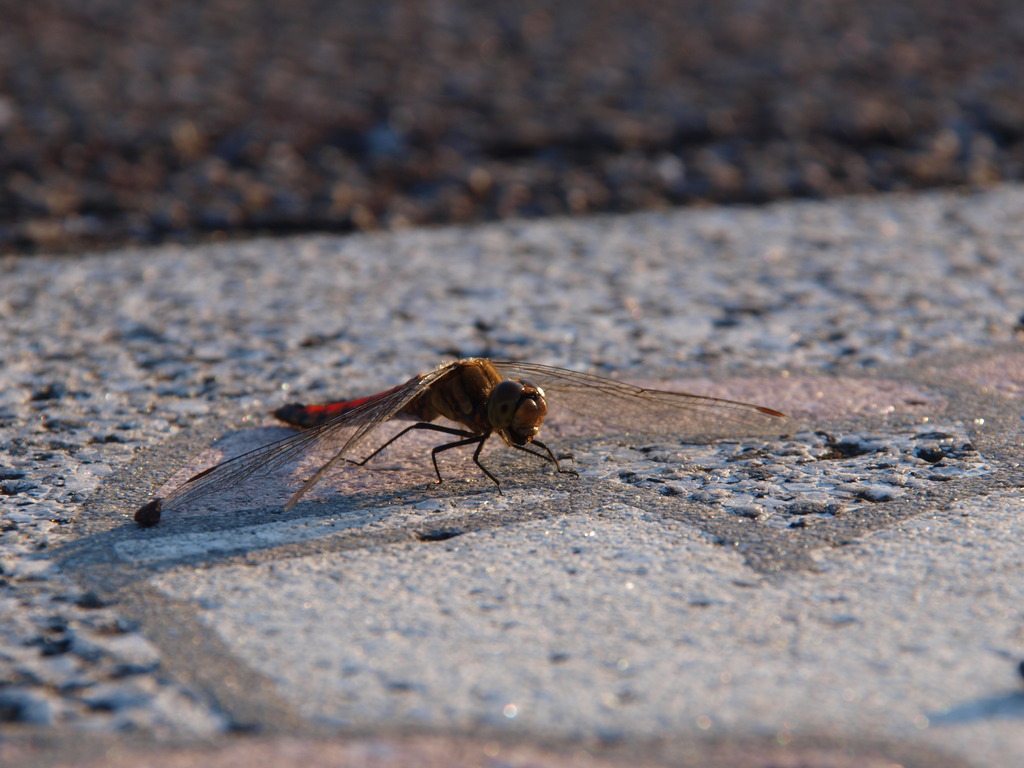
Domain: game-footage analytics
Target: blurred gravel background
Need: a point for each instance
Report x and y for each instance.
(125, 121)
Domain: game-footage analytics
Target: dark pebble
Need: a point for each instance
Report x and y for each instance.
(17, 706)
(89, 600)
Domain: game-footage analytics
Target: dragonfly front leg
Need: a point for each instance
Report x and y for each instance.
(548, 456)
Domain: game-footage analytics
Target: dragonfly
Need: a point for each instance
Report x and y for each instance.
(482, 398)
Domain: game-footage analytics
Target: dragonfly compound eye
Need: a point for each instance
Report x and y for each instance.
(529, 415)
(502, 403)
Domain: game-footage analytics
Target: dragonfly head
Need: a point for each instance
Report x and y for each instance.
(516, 409)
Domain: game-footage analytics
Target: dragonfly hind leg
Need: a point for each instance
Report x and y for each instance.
(432, 428)
(470, 439)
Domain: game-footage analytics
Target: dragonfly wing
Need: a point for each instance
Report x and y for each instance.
(614, 407)
(333, 439)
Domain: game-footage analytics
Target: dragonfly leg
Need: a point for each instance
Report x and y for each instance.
(476, 460)
(481, 439)
(417, 425)
(469, 439)
(547, 455)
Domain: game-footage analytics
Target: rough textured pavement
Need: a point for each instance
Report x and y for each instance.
(847, 595)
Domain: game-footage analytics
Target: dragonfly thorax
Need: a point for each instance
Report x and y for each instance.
(516, 409)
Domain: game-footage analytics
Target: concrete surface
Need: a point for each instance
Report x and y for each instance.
(848, 595)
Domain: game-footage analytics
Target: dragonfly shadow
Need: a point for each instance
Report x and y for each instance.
(387, 514)
(1008, 706)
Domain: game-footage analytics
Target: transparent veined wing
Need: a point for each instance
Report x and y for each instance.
(605, 406)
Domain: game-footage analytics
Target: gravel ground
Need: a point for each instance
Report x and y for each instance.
(898, 319)
(155, 121)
